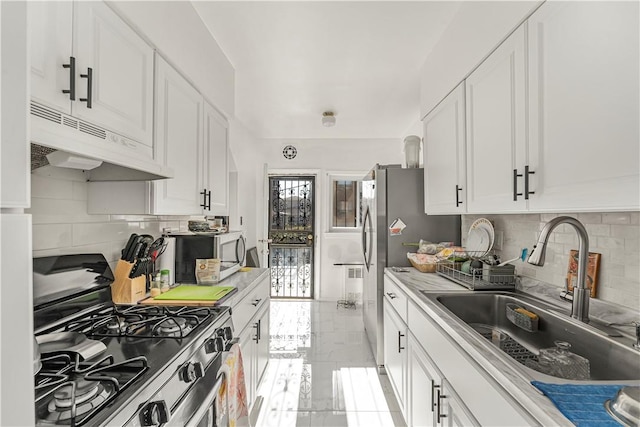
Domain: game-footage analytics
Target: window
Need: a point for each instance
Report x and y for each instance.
(346, 203)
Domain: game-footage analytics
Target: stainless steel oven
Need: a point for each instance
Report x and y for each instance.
(188, 398)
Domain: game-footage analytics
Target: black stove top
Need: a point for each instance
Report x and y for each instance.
(141, 343)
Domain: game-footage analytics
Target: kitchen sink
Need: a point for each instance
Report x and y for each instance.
(485, 313)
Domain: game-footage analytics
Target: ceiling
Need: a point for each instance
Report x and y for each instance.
(296, 59)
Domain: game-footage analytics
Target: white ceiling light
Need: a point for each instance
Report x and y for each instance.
(328, 119)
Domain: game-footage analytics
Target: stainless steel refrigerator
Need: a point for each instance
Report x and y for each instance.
(389, 193)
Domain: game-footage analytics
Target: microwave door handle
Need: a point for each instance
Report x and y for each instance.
(207, 402)
(240, 255)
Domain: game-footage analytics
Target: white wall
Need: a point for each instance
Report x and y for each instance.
(324, 156)
(614, 235)
(175, 29)
(246, 151)
(476, 30)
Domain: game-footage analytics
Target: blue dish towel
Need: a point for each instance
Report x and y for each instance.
(583, 405)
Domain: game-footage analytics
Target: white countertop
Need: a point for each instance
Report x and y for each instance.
(244, 281)
(508, 374)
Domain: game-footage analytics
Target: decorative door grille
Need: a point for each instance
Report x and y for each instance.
(291, 231)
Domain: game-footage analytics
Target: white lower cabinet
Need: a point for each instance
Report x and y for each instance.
(250, 317)
(395, 352)
(431, 399)
(433, 380)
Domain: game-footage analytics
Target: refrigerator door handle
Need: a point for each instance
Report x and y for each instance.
(366, 242)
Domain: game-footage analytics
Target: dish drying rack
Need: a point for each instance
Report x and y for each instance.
(490, 277)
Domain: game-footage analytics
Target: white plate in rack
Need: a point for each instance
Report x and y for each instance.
(478, 242)
(485, 225)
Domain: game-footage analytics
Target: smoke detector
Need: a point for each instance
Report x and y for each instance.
(328, 119)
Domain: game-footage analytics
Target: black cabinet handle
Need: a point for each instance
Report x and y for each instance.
(209, 204)
(89, 77)
(515, 185)
(440, 414)
(256, 326)
(256, 302)
(72, 78)
(400, 347)
(433, 394)
(527, 172)
(458, 190)
(392, 295)
(204, 201)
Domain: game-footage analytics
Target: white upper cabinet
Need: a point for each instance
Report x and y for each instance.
(444, 156)
(179, 112)
(584, 60)
(89, 63)
(496, 129)
(52, 62)
(120, 83)
(215, 165)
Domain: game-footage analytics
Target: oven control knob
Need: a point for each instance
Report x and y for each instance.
(191, 371)
(155, 414)
(225, 333)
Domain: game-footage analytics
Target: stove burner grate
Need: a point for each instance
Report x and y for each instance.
(76, 391)
(143, 322)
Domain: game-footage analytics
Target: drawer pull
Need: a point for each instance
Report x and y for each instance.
(256, 302)
(392, 295)
(400, 347)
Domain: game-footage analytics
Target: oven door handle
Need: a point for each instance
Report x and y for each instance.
(207, 402)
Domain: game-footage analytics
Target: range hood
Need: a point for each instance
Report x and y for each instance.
(123, 159)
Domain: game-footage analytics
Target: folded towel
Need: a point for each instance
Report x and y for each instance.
(583, 405)
(231, 403)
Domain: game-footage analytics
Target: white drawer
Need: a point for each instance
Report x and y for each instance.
(396, 297)
(246, 308)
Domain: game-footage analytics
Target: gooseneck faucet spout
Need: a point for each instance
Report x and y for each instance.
(581, 293)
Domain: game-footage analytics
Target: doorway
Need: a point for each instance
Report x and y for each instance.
(291, 232)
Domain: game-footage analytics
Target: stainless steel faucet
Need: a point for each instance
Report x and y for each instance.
(581, 294)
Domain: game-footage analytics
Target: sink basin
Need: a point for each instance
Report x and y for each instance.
(485, 314)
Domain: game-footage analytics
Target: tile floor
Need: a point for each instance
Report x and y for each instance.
(322, 372)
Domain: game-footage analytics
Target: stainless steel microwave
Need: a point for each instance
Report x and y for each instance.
(184, 248)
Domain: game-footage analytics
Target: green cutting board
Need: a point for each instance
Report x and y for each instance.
(196, 293)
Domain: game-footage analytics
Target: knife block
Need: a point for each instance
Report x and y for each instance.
(125, 290)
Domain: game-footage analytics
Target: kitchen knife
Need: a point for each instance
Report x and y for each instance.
(127, 247)
(131, 254)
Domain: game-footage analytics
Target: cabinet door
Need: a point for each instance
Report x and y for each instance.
(423, 380)
(262, 350)
(395, 353)
(584, 106)
(50, 26)
(451, 410)
(179, 112)
(122, 72)
(216, 161)
(444, 156)
(496, 131)
(246, 340)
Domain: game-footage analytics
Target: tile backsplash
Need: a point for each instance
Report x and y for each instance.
(614, 235)
(61, 224)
